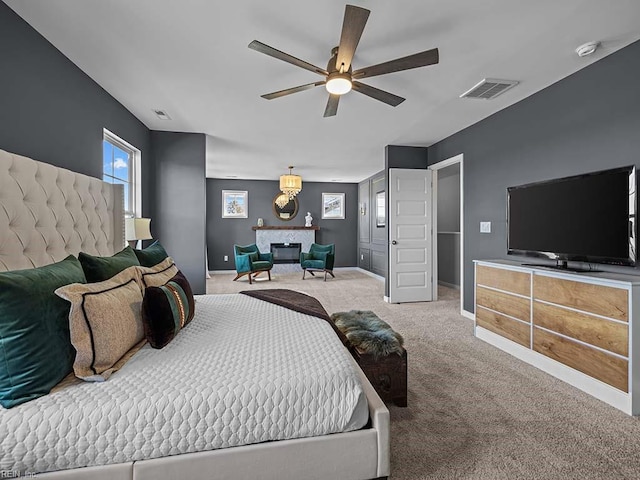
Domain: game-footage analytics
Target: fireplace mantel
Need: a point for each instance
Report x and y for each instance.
(286, 227)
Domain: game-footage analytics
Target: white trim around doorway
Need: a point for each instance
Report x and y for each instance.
(435, 167)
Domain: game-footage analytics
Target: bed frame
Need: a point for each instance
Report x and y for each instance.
(47, 213)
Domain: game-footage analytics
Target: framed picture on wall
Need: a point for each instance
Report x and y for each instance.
(235, 204)
(381, 209)
(333, 206)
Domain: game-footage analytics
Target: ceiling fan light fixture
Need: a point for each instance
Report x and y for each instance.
(338, 83)
(338, 77)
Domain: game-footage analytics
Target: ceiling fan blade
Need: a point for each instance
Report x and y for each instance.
(386, 97)
(285, 57)
(355, 18)
(289, 91)
(422, 59)
(332, 105)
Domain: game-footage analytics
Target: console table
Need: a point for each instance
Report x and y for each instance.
(577, 327)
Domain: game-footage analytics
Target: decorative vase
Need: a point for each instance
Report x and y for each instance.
(260, 222)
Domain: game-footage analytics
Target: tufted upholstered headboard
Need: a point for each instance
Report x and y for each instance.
(47, 213)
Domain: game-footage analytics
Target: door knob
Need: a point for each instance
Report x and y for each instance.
(393, 242)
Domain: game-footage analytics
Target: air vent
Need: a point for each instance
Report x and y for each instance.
(489, 88)
(162, 115)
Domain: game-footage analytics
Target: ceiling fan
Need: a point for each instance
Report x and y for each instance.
(339, 75)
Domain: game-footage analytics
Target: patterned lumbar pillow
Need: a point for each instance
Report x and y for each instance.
(167, 309)
(35, 350)
(98, 269)
(152, 255)
(158, 274)
(105, 323)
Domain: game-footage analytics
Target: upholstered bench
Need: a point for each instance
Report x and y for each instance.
(379, 351)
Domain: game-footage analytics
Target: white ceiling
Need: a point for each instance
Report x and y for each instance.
(190, 58)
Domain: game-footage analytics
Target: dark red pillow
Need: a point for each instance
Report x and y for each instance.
(167, 309)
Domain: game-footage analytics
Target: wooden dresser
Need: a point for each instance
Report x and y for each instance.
(577, 327)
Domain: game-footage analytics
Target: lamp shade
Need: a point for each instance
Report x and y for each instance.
(290, 184)
(137, 229)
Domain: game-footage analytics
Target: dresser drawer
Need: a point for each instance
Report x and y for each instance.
(502, 279)
(596, 331)
(516, 307)
(507, 327)
(603, 366)
(606, 301)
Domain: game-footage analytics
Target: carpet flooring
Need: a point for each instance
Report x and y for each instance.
(474, 411)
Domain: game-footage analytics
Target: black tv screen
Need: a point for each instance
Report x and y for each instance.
(588, 218)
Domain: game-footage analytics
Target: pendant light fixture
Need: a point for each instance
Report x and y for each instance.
(290, 184)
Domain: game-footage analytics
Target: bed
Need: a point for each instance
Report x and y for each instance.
(248, 389)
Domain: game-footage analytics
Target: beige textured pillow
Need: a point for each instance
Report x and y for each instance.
(105, 323)
(157, 275)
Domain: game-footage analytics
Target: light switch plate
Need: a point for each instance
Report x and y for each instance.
(485, 227)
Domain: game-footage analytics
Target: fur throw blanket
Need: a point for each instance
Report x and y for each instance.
(369, 333)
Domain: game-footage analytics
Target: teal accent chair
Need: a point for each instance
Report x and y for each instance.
(320, 258)
(249, 261)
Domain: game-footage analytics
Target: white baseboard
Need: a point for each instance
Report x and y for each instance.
(469, 315)
(449, 285)
(371, 274)
(596, 388)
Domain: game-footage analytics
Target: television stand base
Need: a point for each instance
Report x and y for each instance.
(562, 267)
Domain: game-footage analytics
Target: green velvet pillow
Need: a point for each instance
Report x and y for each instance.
(35, 346)
(99, 269)
(152, 255)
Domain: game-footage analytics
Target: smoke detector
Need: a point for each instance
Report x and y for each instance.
(162, 114)
(587, 49)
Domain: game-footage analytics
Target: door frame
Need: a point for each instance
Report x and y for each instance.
(435, 167)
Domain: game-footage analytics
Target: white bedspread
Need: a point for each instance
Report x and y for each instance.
(243, 371)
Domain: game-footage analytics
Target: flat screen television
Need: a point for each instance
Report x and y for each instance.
(585, 218)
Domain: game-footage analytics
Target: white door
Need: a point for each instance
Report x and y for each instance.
(410, 235)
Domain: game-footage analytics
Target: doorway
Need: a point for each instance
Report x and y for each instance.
(448, 225)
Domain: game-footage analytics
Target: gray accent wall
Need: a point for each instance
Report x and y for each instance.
(178, 213)
(372, 240)
(52, 111)
(223, 233)
(401, 156)
(55, 113)
(586, 122)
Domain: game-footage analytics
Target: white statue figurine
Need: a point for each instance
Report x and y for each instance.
(308, 219)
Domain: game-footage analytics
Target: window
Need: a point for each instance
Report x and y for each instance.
(121, 165)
